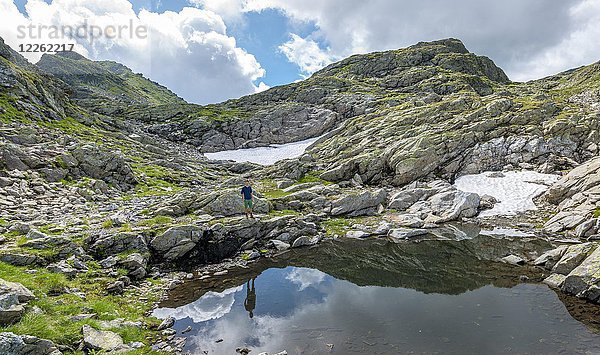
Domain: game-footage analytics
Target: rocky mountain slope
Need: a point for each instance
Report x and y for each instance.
(105, 86)
(101, 202)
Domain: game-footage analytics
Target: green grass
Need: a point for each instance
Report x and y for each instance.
(337, 226)
(156, 221)
(8, 112)
(3, 223)
(54, 322)
(596, 213)
(313, 176)
(107, 224)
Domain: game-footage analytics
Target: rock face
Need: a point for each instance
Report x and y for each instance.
(577, 195)
(13, 297)
(11, 344)
(577, 272)
(584, 280)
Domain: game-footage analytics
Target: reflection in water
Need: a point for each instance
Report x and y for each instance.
(375, 298)
(250, 302)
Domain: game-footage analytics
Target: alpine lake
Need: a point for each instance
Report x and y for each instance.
(437, 294)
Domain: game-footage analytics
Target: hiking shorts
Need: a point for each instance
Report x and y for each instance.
(247, 203)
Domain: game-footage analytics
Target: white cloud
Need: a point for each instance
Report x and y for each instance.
(527, 38)
(306, 54)
(188, 51)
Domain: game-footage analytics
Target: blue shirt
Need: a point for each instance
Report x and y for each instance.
(247, 192)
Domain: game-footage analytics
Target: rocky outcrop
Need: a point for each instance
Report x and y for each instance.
(577, 271)
(57, 163)
(359, 204)
(13, 298)
(577, 195)
(434, 202)
(226, 202)
(12, 344)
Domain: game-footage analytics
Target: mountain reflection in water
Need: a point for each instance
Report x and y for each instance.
(370, 297)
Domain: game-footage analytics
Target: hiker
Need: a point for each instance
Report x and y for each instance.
(248, 198)
(250, 302)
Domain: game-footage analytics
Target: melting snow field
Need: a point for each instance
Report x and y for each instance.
(264, 155)
(514, 189)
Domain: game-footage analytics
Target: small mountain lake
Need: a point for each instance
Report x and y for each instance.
(376, 297)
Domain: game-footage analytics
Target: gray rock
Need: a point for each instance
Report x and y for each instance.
(279, 245)
(13, 296)
(63, 267)
(135, 264)
(166, 323)
(356, 234)
(20, 259)
(12, 344)
(584, 280)
(551, 257)
(513, 260)
(451, 205)
(364, 203)
(301, 241)
(118, 243)
(177, 241)
(406, 233)
(572, 257)
(408, 220)
(555, 280)
(100, 339)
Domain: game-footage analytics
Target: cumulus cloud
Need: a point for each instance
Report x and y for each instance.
(188, 51)
(527, 38)
(307, 54)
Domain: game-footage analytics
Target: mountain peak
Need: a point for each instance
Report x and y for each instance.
(453, 44)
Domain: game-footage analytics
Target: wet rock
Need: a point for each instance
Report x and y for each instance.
(513, 260)
(166, 323)
(12, 344)
(279, 245)
(177, 241)
(584, 280)
(301, 241)
(408, 220)
(357, 234)
(406, 233)
(572, 257)
(555, 280)
(100, 339)
(551, 257)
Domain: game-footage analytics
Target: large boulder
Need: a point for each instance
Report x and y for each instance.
(177, 241)
(93, 161)
(452, 205)
(100, 340)
(13, 297)
(104, 246)
(12, 344)
(572, 257)
(359, 204)
(584, 280)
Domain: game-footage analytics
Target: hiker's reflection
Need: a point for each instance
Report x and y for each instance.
(250, 302)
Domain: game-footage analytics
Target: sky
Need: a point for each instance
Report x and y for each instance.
(208, 51)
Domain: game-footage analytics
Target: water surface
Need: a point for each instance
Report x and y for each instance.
(427, 297)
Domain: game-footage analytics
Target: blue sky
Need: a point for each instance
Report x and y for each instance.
(211, 50)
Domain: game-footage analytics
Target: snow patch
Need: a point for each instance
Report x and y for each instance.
(514, 189)
(264, 155)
